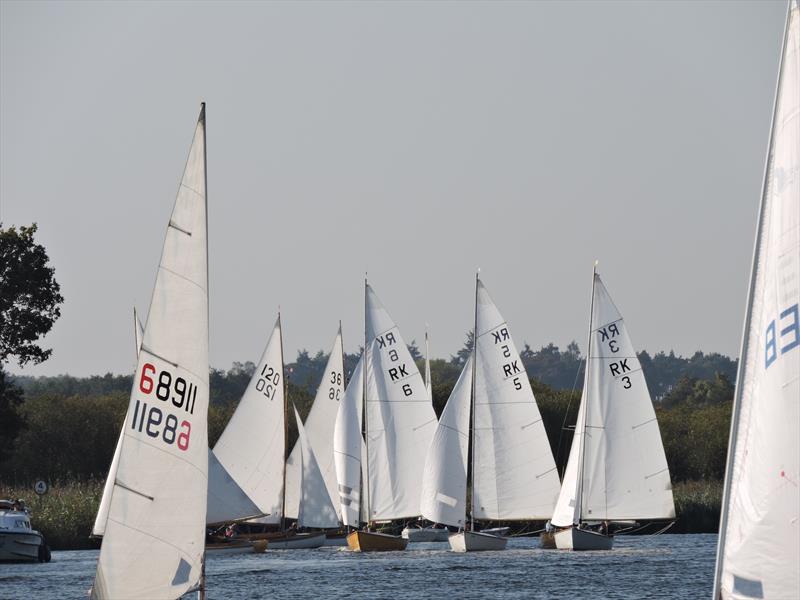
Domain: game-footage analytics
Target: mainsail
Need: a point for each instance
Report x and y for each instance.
(444, 480)
(347, 447)
(514, 474)
(251, 448)
(319, 427)
(759, 544)
(399, 418)
(154, 536)
(428, 385)
(315, 507)
(617, 469)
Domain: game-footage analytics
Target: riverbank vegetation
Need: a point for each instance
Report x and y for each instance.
(69, 427)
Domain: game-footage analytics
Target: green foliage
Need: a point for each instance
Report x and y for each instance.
(29, 296)
(697, 506)
(65, 515)
(11, 421)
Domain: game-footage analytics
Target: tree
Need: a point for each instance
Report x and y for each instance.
(461, 357)
(11, 422)
(29, 296)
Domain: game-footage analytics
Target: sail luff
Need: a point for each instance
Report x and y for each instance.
(584, 410)
(757, 552)
(471, 472)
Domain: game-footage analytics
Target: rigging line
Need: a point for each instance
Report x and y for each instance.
(566, 414)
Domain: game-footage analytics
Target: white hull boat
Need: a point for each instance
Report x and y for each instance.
(474, 541)
(425, 534)
(573, 538)
(18, 541)
(301, 541)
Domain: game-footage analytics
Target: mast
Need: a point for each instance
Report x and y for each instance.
(365, 418)
(745, 348)
(285, 424)
(201, 594)
(344, 387)
(472, 407)
(582, 441)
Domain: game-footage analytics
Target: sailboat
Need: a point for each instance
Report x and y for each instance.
(398, 425)
(153, 535)
(617, 469)
(319, 427)
(514, 475)
(758, 555)
(419, 533)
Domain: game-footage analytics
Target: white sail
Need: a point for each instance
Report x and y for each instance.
(515, 475)
(105, 500)
(759, 551)
(319, 428)
(428, 385)
(252, 446)
(625, 473)
(399, 421)
(347, 449)
(315, 508)
(617, 444)
(154, 537)
(444, 480)
(227, 501)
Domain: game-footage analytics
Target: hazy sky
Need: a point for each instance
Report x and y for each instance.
(415, 141)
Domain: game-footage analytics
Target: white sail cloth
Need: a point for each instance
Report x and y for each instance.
(624, 468)
(399, 418)
(315, 508)
(319, 427)
(444, 481)
(154, 536)
(347, 449)
(227, 501)
(515, 474)
(759, 554)
(252, 446)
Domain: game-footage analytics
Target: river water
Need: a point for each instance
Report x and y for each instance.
(665, 566)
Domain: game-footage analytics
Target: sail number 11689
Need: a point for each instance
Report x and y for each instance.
(159, 422)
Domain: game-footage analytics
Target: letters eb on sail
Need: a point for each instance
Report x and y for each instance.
(154, 536)
(759, 544)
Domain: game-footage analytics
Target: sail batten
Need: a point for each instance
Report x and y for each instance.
(759, 543)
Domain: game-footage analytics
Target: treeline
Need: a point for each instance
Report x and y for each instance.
(70, 425)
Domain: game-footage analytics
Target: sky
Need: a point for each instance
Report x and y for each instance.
(412, 141)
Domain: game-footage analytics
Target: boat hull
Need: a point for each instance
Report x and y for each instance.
(243, 547)
(547, 540)
(20, 546)
(336, 539)
(476, 541)
(298, 541)
(573, 538)
(427, 534)
(369, 541)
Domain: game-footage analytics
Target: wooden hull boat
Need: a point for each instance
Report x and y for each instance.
(284, 540)
(236, 547)
(425, 534)
(547, 540)
(475, 541)
(572, 538)
(370, 541)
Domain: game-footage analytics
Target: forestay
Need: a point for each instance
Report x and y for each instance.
(105, 500)
(154, 536)
(428, 385)
(444, 480)
(400, 419)
(759, 549)
(515, 475)
(315, 508)
(347, 447)
(319, 427)
(252, 446)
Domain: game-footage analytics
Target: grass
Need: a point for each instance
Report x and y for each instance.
(698, 505)
(65, 514)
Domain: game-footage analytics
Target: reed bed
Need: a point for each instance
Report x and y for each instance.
(698, 505)
(65, 514)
